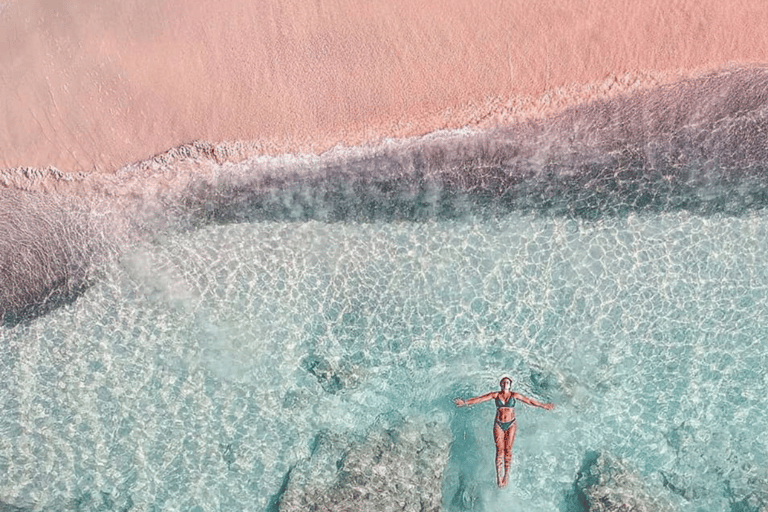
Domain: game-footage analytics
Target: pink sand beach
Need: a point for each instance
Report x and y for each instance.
(90, 86)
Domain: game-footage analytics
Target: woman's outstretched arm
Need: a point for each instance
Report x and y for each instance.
(476, 400)
(531, 401)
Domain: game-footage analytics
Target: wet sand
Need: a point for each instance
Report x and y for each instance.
(96, 87)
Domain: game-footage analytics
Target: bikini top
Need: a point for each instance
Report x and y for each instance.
(509, 403)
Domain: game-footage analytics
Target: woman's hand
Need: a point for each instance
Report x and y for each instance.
(460, 402)
(548, 407)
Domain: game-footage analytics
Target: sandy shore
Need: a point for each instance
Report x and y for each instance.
(97, 86)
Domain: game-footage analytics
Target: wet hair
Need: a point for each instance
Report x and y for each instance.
(501, 382)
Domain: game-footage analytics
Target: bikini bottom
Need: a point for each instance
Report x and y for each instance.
(505, 425)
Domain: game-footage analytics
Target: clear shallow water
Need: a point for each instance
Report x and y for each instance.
(180, 379)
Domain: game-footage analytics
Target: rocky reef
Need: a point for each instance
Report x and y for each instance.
(712, 466)
(332, 377)
(50, 249)
(608, 484)
(394, 467)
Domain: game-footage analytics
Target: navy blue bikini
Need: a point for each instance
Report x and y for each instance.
(509, 403)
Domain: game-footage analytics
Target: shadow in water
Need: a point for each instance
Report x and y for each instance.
(465, 476)
(575, 500)
(274, 501)
(58, 296)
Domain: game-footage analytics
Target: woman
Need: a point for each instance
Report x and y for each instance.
(505, 426)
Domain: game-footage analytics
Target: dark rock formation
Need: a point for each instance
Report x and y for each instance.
(6, 507)
(716, 468)
(324, 372)
(332, 377)
(397, 468)
(607, 484)
(49, 251)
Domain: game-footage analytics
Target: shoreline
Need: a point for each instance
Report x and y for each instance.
(696, 145)
(562, 109)
(492, 113)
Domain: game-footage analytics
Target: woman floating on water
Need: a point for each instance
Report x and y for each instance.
(505, 427)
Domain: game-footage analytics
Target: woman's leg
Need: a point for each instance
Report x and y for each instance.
(509, 440)
(498, 437)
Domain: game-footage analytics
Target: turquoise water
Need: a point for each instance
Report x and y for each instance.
(181, 380)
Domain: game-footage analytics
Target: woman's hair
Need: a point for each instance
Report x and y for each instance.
(501, 382)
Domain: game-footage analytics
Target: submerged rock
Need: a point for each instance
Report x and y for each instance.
(324, 372)
(332, 377)
(7, 507)
(608, 484)
(399, 468)
(716, 469)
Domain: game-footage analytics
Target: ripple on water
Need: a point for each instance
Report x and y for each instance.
(197, 372)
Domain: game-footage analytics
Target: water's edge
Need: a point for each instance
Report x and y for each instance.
(697, 145)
